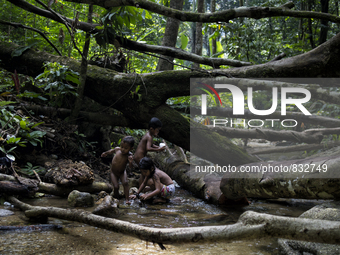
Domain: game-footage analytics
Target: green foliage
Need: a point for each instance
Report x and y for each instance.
(135, 93)
(18, 130)
(20, 50)
(83, 145)
(29, 168)
(58, 81)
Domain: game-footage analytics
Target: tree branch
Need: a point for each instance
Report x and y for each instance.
(270, 135)
(276, 116)
(16, 25)
(249, 225)
(94, 117)
(221, 16)
(129, 44)
(284, 149)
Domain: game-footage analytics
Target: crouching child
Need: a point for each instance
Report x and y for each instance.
(160, 186)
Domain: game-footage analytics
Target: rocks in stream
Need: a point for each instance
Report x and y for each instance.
(108, 207)
(327, 211)
(4, 213)
(80, 199)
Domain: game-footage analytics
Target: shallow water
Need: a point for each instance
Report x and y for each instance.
(183, 211)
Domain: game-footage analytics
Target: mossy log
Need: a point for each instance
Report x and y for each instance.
(15, 188)
(250, 225)
(312, 178)
(56, 190)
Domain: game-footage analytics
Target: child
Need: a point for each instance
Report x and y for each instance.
(146, 143)
(118, 165)
(159, 182)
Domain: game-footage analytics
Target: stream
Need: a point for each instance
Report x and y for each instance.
(183, 211)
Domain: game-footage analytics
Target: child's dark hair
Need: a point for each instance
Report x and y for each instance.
(129, 140)
(155, 123)
(147, 163)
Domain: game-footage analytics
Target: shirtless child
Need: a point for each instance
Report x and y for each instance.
(118, 165)
(159, 183)
(146, 143)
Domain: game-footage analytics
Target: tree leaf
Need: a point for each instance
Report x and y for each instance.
(19, 51)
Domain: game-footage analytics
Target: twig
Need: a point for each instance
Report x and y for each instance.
(65, 23)
(36, 175)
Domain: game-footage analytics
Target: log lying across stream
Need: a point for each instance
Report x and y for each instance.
(49, 188)
(310, 178)
(250, 225)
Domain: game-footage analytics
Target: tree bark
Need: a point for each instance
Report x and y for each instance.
(269, 134)
(49, 188)
(170, 37)
(94, 117)
(304, 147)
(249, 225)
(324, 23)
(222, 16)
(198, 33)
(298, 116)
(304, 178)
(83, 70)
(14, 188)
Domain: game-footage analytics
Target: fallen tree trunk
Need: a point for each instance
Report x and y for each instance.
(54, 189)
(249, 225)
(111, 89)
(94, 117)
(222, 112)
(270, 135)
(283, 149)
(312, 178)
(14, 188)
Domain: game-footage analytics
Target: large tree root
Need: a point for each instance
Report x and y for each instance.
(249, 225)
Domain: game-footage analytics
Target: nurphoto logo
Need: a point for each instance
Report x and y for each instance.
(238, 100)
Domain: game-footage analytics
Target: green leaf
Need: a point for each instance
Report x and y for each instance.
(219, 46)
(184, 41)
(3, 103)
(19, 51)
(23, 125)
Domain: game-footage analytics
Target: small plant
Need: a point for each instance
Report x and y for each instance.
(29, 168)
(17, 131)
(57, 80)
(84, 146)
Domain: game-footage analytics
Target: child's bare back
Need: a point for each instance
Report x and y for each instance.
(146, 143)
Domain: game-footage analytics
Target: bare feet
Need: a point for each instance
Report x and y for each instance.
(127, 202)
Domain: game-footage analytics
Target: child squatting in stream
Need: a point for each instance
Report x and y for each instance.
(156, 181)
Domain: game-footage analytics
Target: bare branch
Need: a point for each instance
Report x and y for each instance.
(129, 44)
(16, 25)
(221, 16)
(269, 134)
(249, 225)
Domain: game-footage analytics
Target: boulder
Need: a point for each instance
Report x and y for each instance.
(80, 199)
(108, 207)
